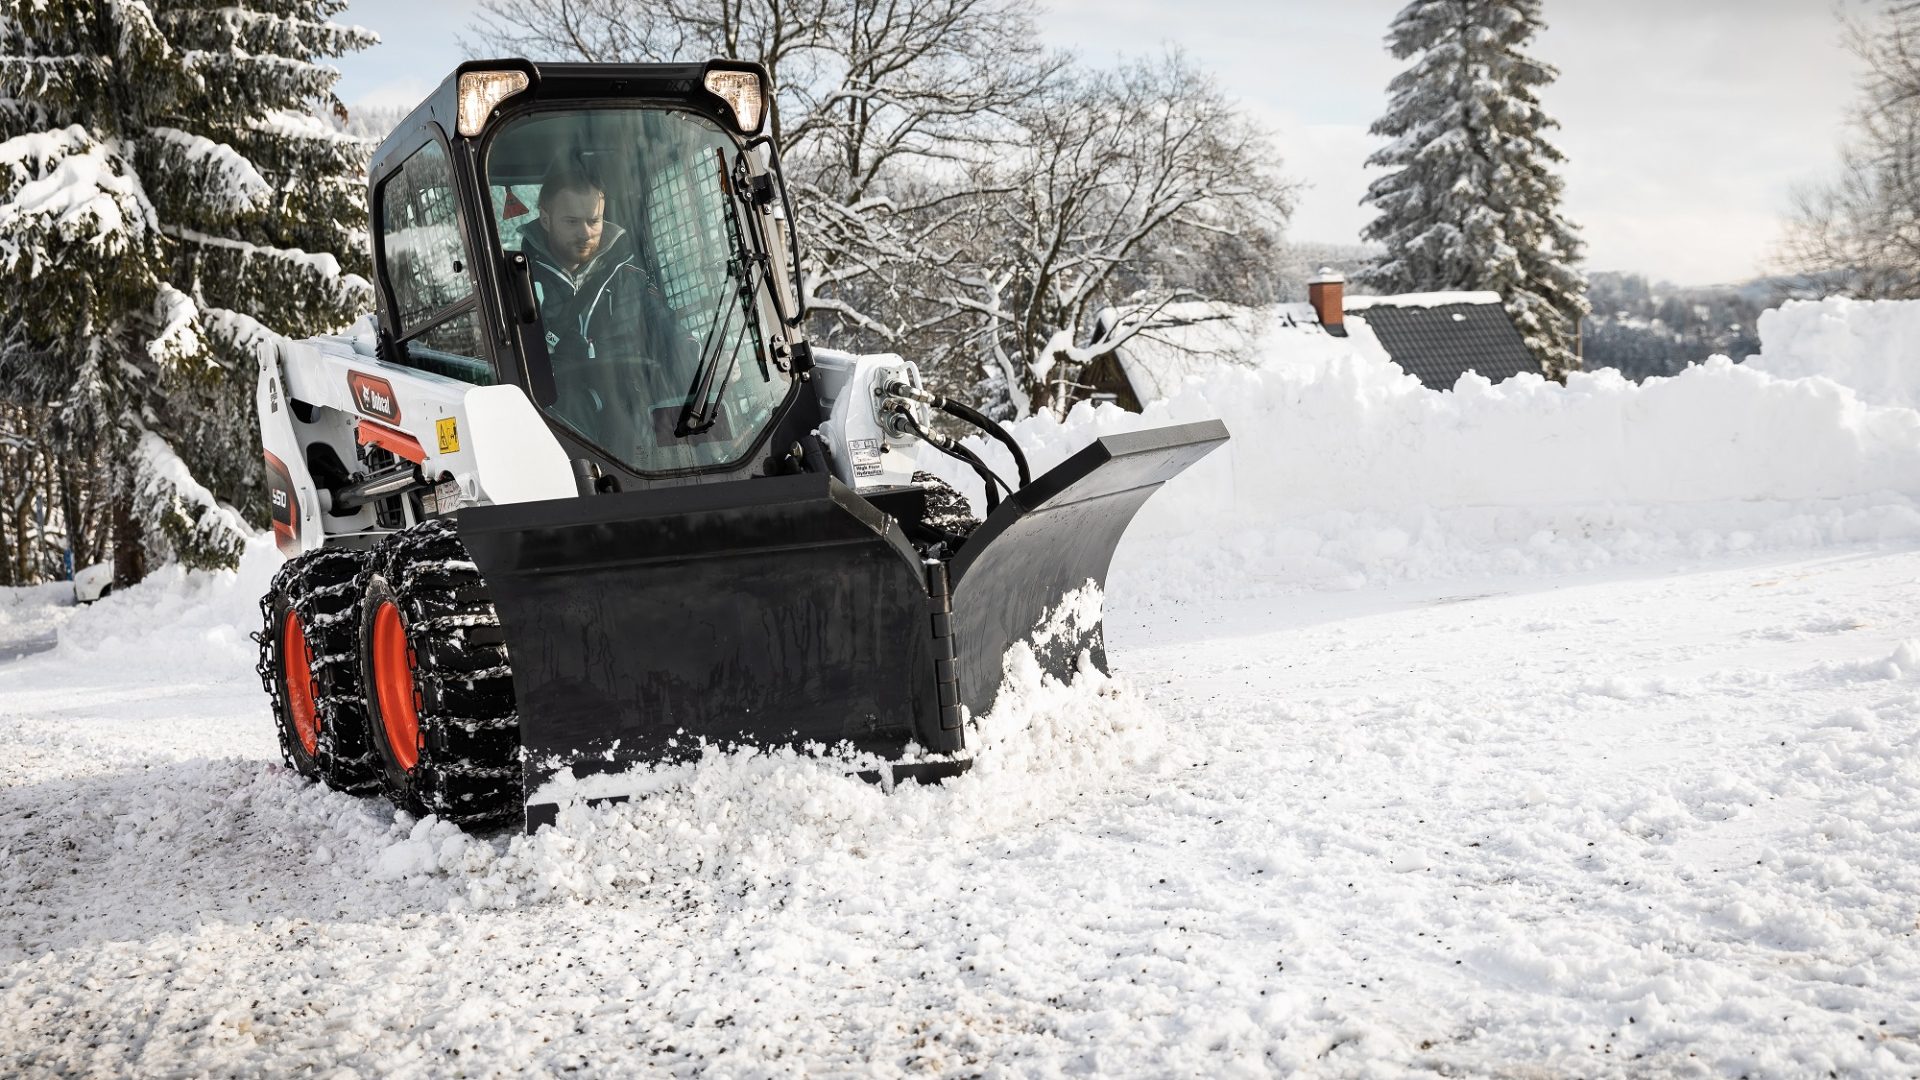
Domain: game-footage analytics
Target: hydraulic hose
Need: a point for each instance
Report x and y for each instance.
(981, 420)
(992, 480)
(960, 410)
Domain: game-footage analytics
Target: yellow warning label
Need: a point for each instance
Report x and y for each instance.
(449, 431)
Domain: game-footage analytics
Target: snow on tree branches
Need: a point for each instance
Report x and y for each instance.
(165, 189)
(186, 522)
(1472, 201)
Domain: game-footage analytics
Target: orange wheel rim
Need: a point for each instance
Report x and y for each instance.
(298, 662)
(393, 684)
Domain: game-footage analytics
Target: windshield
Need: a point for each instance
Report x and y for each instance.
(648, 307)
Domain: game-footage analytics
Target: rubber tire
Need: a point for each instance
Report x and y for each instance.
(467, 765)
(321, 588)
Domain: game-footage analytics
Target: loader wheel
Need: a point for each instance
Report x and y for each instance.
(439, 689)
(307, 667)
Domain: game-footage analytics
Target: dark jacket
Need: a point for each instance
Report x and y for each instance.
(610, 309)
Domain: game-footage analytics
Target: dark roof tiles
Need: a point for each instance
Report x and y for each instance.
(1438, 344)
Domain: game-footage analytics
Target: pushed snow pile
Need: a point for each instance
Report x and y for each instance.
(1870, 346)
(1344, 470)
(206, 619)
(30, 617)
(763, 825)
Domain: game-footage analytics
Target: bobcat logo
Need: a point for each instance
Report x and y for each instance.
(373, 396)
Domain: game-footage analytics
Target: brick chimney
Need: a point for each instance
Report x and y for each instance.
(1327, 293)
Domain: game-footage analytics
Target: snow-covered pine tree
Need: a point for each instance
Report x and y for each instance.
(1473, 201)
(167, 195)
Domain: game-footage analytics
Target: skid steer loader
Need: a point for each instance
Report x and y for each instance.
(580, 495)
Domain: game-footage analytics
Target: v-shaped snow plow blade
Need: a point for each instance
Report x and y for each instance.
(789, 610)
(1050, 544)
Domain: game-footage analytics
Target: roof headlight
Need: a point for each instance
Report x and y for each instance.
(481, 92)
(742, 93)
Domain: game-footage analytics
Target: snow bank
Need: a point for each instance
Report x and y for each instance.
(1343, 470)
(1871, 346)
(180, 624)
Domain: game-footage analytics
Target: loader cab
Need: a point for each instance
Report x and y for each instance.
(613, 240)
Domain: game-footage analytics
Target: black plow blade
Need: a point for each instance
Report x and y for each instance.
(1036, 570)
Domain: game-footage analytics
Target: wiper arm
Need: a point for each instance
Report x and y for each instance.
(702, 408)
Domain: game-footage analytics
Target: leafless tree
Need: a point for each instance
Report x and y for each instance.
(1130, 188)
(861, 85)
(1863, 228)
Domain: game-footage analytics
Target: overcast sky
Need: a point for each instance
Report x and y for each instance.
(1686, 123)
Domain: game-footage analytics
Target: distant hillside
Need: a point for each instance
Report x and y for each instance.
(1645, 329)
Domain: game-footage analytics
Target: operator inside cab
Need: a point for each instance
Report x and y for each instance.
(648, 299)
(585, 269)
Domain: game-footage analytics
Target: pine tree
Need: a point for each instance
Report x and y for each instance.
(1472, 202)
(164, 178)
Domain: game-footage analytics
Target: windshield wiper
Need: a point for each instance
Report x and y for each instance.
(702, 408)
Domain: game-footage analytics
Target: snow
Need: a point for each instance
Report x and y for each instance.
(177, 314)
(1871, 346)
(1159, 349)
(320, 263)
(1545, 823)
(189, 516)
(241, 185)
(1419, 300)
(72, 186)
(1610, 771)
(1189, 340)
(1344, 472)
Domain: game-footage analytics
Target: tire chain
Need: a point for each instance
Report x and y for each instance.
(469, 770)
(322, 588)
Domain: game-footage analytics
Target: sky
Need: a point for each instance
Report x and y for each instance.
(1687, 124)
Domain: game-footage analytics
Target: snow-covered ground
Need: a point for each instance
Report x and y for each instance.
(1473, 776)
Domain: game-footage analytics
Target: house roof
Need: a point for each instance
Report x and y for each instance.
(1436, 337)
(1183, 339)
(1439, 342)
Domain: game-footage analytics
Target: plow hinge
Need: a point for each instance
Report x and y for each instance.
(945, 655)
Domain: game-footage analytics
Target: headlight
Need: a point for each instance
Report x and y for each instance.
(480, 91)
(741, 91)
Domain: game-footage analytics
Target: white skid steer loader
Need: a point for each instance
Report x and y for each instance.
(580, 495)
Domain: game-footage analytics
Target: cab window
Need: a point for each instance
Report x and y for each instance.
(424, 263)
